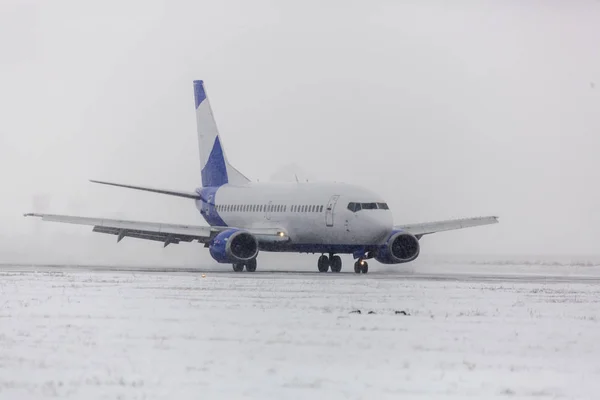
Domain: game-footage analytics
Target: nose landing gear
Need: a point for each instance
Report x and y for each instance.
(361, 266)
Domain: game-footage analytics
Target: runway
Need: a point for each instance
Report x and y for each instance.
(484, 276)
(162, 333)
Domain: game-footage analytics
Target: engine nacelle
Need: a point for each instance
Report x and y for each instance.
(234, 246)
(400, 247)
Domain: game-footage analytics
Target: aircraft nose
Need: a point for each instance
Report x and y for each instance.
(382, 223)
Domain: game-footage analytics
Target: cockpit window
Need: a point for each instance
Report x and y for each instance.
(354, 207)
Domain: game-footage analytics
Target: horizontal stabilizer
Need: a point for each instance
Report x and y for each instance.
(189, 195)
(440, 226)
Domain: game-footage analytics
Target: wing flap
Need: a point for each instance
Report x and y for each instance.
(165, 238)
(440, 226)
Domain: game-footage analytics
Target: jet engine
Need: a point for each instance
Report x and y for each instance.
(400, 247)
(234, 246)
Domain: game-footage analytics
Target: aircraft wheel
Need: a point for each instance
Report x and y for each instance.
(238, 267)
(336, 264)
(361, 266)
(323, 263)
(251, 265)
(365, 268)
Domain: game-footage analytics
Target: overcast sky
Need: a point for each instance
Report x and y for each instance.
(474, 108)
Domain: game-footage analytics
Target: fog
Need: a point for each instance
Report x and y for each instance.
(479, 108)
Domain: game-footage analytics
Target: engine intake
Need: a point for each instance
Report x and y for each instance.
(234, 246)
(400, 247)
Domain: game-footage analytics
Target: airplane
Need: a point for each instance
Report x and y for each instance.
(245, 217)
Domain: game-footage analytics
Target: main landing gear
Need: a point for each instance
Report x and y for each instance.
(361, 266)
(324, 263)
(250, 266)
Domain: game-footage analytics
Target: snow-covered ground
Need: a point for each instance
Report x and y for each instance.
(84, 335)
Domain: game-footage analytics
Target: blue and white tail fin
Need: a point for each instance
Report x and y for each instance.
(216, 170)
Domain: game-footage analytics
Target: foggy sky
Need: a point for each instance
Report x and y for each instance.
(475, 108)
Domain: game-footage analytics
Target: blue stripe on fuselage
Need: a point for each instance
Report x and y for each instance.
(314, 248)
(208, 209)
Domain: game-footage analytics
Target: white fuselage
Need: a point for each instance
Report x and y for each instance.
(309, 213)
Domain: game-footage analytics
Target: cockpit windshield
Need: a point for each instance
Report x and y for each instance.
(354, 207)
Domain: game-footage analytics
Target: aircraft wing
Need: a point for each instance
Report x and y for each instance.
(160, 232)
(439, 226)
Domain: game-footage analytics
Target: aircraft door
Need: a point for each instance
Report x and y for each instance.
(329, 209)
(268, 210)
(206, 205)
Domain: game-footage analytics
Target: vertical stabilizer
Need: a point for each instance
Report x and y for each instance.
(216, 170)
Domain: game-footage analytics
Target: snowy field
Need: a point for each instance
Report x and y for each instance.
(85, 334)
